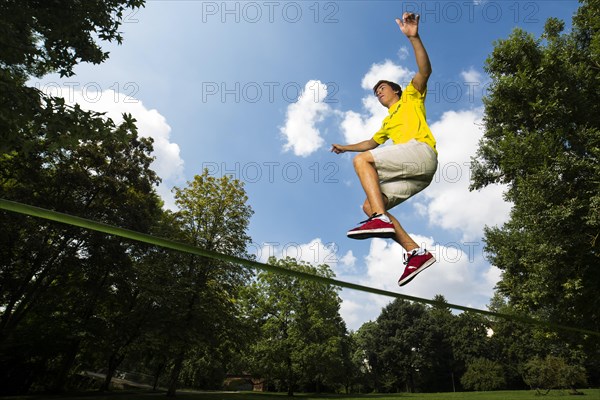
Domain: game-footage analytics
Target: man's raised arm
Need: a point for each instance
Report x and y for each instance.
(409, 25)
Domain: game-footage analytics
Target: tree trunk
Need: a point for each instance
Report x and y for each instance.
(61, 379)
(157, 374)
(113, 363)
(174, 379)
(75, 344)
(412, 382)
(290, 376)
(453, 384)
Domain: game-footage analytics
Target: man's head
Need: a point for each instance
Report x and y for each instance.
(387, 92)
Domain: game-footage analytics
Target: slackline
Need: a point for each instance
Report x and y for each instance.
(170, 244)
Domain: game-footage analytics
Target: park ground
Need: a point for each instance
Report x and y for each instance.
(588, 394)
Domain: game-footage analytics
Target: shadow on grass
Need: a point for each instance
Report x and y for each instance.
(202, 395)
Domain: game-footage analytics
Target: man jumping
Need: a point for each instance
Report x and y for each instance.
(392, 174)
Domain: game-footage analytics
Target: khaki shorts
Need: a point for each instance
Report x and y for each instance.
(404, 169)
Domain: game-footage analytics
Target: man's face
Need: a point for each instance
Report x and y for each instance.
(386, 95)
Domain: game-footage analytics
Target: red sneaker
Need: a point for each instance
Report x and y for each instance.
(414, 265)
(373, 227)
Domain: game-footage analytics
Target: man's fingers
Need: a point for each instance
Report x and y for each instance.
(408, 17)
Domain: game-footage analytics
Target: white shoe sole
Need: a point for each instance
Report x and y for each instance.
(386, 233)
(416, 272)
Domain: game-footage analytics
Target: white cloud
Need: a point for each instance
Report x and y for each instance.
(348, 259)
(150, 123)
(403, 53)
(471, 76)
(352, 312)
(388, 71)
(357, 127)
(314, 252)
(299, 130)
(460, 274)
(476, 84)
(447, 202)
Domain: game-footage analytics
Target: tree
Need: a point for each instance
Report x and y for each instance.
(126, 321)
(54, 277)
(542, 139)
(407, 343)
(444, 370)
(552, 373)
(213, 215)
(513, 343)
(44, 37)
(483, 375)
(70, 297)
(350, 372)
(301, 332)
(365, 356)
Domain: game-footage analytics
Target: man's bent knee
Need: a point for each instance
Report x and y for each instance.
(362, 159)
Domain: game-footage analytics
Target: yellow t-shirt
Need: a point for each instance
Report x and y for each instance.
(406, 120)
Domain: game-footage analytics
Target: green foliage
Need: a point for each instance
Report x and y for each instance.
(213, 213)
(513, 343)
(553, 373)
(542, 139)
(364, 357)
(587, 21)
(200, 303)
(574, 375)
(53, 278)
(483, 375)
(300, 338)
(72, 299)
(409, 350)
(416, 348)
(41, 37)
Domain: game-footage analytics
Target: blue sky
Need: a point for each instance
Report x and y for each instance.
(260, 90)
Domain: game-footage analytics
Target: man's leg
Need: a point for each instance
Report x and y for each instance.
(381, 226)
(364, 165)
(416, 262)
(416, 259)
(402, 237)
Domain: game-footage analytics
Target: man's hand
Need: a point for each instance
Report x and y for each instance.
(409, 24)
(337, 149)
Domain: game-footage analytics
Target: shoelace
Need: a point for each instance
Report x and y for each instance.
(375, 215)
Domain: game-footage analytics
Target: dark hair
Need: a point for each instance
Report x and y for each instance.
(395, 87)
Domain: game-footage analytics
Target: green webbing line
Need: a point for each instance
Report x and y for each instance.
(170, 244)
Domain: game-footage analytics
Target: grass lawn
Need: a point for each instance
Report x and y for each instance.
(590, 394)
